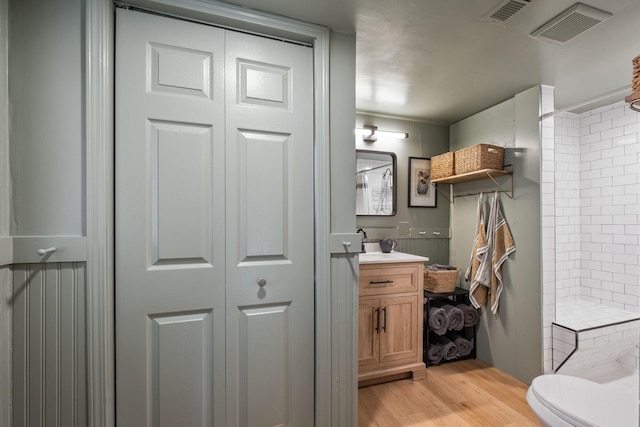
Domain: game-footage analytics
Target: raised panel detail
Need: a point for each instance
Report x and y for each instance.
(179, 70)
(181, 349)
(181, 187)
(264, 189)
(264, 365)
(264, 84)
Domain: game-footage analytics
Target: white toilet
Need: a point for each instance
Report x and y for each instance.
(566, 401)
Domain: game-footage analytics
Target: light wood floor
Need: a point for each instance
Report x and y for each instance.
(463, 393)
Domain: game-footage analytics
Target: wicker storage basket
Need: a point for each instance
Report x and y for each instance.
(478, 157)
(440, 282)
(442, 166)
(634, 98)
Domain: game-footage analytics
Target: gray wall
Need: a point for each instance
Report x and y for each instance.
(46, 100)
(512, 339)
(5, 215)
(343, 117)
(344, 267)
(5, 211)
(425, 140)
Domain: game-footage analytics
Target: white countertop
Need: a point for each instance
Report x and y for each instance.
(380, 257)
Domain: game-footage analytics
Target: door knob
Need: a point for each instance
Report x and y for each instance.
(261, 281)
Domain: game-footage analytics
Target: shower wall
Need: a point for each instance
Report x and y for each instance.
(597, 206)
(591, 195)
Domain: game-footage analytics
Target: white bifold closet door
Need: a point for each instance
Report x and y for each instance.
(214, 248)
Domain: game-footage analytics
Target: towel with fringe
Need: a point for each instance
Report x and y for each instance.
(449, 350)
(438, 320)
(456, 317)
(503, 246)
(470, 314)
(479, 270)
(463, 345)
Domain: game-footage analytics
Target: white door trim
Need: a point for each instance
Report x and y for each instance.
(99, 75)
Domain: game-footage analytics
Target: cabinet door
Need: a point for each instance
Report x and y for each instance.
(398, 328)
(368, 336)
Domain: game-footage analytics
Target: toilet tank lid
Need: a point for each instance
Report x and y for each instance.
(586, 403)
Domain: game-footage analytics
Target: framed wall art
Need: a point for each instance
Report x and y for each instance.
(422, 192)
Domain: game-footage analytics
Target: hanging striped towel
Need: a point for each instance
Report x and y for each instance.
(503, 246)
(479, 270)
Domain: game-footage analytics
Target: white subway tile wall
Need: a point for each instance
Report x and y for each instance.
(597, 190)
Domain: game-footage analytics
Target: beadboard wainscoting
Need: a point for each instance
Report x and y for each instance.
(432, 243)
(344, 312)
(49, 351)
(436, 249)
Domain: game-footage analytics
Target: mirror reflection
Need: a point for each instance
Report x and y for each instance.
(375, 183)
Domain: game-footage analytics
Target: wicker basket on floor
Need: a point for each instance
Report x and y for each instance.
(440, 282)
(442, 166)
(478, 157)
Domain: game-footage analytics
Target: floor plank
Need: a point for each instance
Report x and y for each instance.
(464, 393)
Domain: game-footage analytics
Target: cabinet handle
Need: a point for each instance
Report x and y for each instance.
(384, 325)
(380, 282)
(378, 320)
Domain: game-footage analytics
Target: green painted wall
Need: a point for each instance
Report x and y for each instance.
(512, 339)
(425, 140)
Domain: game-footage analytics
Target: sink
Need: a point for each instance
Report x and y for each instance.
(381, 257)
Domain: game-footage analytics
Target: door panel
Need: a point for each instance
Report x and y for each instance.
(181, 158)
(180, 70)
(265, 357)
(270, 225)
(262, 195)
(170, 222)
(181, 345)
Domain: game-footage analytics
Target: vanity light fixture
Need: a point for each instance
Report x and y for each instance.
(634, 98)
(370, 133)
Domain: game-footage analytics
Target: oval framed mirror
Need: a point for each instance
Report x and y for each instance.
(375, 183)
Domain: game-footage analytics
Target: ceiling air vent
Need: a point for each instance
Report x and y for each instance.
(571, 23)
(506, 10)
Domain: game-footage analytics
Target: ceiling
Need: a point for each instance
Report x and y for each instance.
(442, 60)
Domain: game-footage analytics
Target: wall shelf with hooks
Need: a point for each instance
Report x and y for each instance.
(491, 174)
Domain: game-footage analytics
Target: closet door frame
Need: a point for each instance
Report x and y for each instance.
(99, 136)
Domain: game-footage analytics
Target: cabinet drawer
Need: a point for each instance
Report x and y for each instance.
(379, 279)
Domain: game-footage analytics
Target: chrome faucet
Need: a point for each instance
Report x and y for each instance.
(364, 237)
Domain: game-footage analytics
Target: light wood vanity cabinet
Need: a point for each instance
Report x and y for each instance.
(390, 319)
